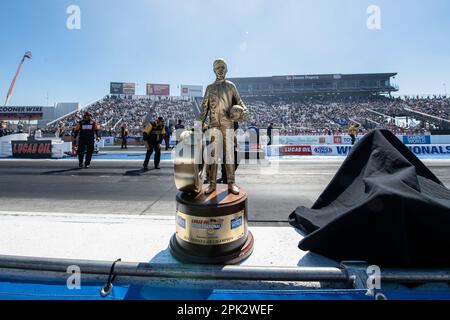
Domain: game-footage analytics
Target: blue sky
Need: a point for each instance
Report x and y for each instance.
(175, 41)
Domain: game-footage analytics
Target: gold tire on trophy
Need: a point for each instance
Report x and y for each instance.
(212, 229)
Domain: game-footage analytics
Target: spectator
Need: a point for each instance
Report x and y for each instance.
(38, 134)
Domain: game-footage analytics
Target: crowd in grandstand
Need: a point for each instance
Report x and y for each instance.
(436, 106)
(112, 113)
(291, 115)
(333, 115)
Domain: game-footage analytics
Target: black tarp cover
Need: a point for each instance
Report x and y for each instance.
(384, 206)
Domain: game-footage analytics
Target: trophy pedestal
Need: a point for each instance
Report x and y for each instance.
(212, 229)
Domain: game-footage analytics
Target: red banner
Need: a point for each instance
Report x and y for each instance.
(337, 140)
(296, 151)
(158, 89)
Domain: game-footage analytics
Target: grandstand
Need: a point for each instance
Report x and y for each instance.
(338, 84)
(296, 105)
(113, 112)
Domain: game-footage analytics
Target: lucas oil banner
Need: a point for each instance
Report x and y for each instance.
(38, 149)
(295, 151)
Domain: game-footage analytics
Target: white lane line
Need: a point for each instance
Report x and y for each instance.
(88, 216)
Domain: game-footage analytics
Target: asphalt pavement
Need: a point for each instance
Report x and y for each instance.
(115, 187)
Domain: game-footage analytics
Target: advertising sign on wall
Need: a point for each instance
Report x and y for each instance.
(158, 89)
(416, 139)
(17, 113)
(38, 149)
(430, 149)
(122, 88)
(129, 88)
(116, 88)
(295, 151)
(191, 91)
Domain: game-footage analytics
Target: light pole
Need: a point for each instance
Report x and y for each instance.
(27, 55)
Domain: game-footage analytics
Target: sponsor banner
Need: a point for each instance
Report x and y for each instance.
(295, 151)
(337, 139)
(17, 113)
(323, 150)
(313, 150)
(348, 139)
(191, 91)
(416, 139)
(302, 140)
(158, 89)
(332, 150)
(344, 150)
(129, 88)
(116, 88)
(41, 149)
(310, 77)
(210, 231)
(430, 149)
(122, 88)
(343, 139)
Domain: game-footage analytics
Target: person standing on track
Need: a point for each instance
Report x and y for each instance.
(269, 134)
(86, 131)
(124, 136)
(167, 137)
(153, 136)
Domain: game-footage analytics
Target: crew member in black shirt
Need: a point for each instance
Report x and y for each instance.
(153, 136)
(269, 134)
(86, 131)
(124, 136)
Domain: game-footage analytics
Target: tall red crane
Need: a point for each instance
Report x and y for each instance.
(26, 56)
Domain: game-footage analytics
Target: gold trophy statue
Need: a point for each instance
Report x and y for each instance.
(223, 103)
(212, 222)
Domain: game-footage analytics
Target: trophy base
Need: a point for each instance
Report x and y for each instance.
(212, 229)
(235, 257)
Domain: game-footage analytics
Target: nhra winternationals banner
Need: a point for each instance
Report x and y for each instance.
(17, 113)
(38, 149)
(158, 89)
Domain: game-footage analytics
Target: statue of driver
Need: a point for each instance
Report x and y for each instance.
(225, 107)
